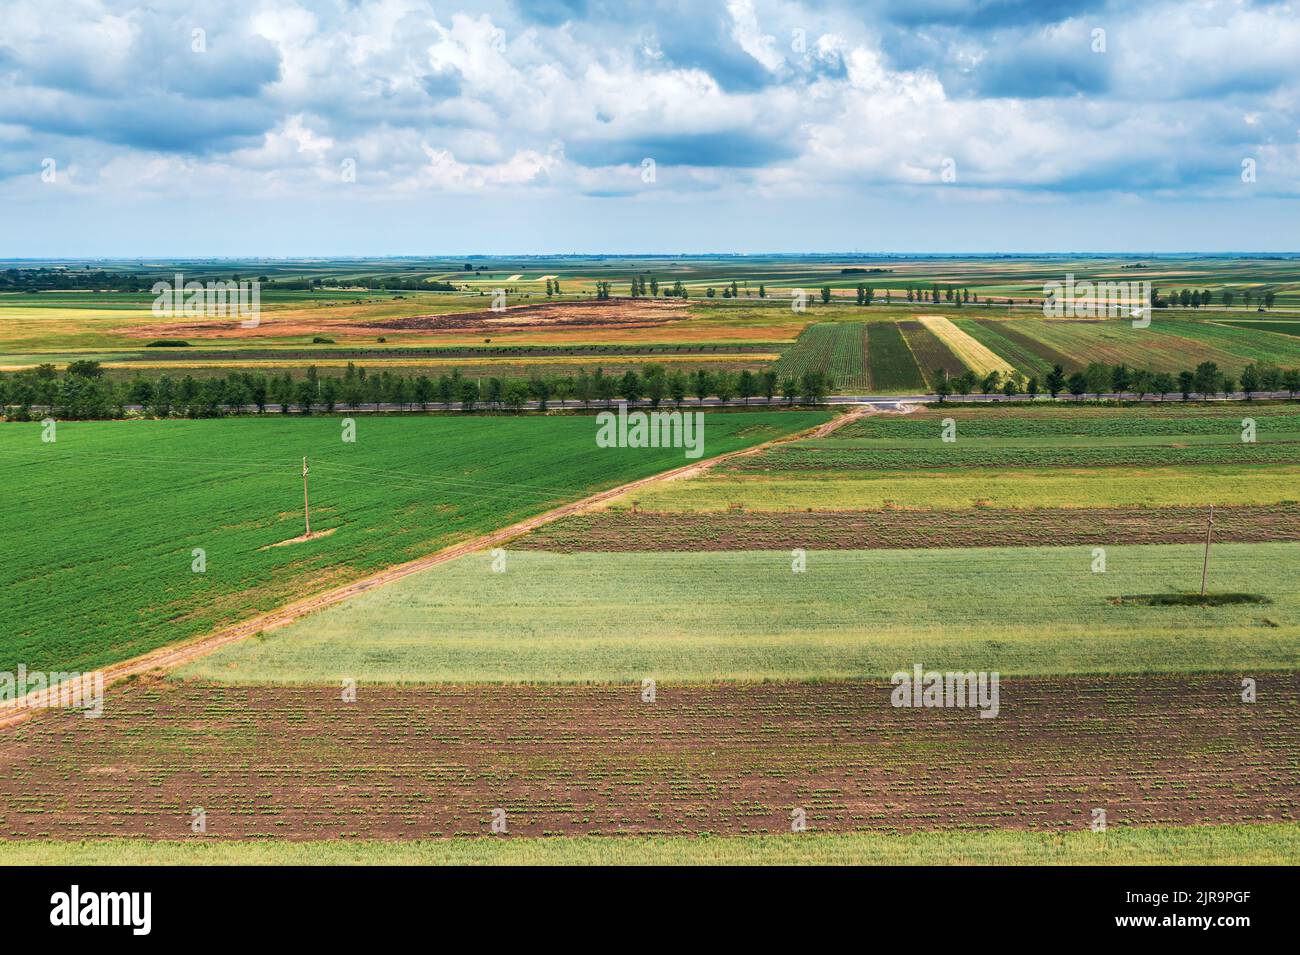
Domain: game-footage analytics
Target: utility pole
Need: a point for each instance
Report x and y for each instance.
(306, 505)
(1205, 567)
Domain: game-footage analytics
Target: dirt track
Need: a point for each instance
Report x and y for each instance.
(170, 657)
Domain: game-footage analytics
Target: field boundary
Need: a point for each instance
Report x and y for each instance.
(13, 712)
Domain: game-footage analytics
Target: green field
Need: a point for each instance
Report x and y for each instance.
(101, 529)
(1014, 456)
(867, 454)
(893, 367)
(837, 348)
(1265, 844)
(1054, 423)
(100, 526)
(745, 616)
(992, 335)
(979, 487)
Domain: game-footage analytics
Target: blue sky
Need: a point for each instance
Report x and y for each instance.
(262, 127)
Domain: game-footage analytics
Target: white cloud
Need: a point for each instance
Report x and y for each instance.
(478, 101)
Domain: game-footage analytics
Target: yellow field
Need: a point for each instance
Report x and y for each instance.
(973, 355)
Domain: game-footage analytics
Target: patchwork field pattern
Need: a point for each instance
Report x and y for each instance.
(837, 348)
(621, 530)
(929, 352)
(1258, 844)
(974, 355)
(992, 335)
(956, 489)
(115, 511)
(769, 598)
(1167, 345)
(416, 763)
(746, 615)
(893, 367)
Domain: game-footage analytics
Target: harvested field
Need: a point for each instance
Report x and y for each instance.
(975, 356)
(612, 530)
(625, 313)
(298, 763)
(929, 352)
(592, 314)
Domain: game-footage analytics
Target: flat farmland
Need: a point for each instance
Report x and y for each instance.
(770, 597)
(929, 353)
(893, 366)
(1167, 345)
(993, 336)
(1257, 844)
(1279, 328)
(972, 353)
(744, 615)
(1051, 421)
(1013, 457)
(297, 763)
(867, 454)
(999, 487)
(1252, 343)
(839, 349)
(624, 530)
(102, 525)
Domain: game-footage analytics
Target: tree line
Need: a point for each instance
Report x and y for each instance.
(83, 391)
(1097, 379)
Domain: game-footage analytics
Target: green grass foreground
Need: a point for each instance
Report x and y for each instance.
(744, 615)
(1271, 844)
(101, 526)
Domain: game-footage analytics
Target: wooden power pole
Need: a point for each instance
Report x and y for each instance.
(1205, 567)
(306, 503)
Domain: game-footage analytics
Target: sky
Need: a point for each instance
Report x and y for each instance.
(404, 127)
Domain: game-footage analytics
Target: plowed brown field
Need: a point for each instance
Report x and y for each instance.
(299, 763)
(856, 530)
(628, 313)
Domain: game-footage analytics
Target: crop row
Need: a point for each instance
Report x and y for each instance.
(1051, 421)
(829, 455)
(893, 367)
(301, 763)
(629, 531)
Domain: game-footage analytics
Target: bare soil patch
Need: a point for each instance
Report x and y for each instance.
(302, 538)
(421, 762)
(624, 313)
(610, 313)
(622, 530)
